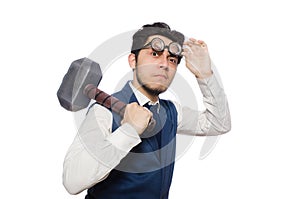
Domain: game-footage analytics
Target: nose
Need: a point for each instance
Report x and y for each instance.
(164, 63)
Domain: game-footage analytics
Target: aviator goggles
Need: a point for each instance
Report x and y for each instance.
(158, 45)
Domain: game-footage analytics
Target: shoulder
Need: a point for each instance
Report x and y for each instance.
(98, 111)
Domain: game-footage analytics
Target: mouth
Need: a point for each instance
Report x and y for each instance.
(161, 76)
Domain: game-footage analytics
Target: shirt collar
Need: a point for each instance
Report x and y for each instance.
(141, 98)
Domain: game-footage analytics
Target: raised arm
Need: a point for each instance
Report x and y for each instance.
(215, 119)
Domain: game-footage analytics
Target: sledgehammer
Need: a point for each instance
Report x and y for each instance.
(79, 86)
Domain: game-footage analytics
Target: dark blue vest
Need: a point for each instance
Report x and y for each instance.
(146, 172)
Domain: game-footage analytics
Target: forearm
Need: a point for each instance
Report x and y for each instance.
(96, 151)
(215, 119)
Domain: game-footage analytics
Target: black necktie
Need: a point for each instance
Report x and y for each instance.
(158, 127)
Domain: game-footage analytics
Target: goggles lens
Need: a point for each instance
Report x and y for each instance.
(158, 44)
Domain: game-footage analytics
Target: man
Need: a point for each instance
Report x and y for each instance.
(117, 157)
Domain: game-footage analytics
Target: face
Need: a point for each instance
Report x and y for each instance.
(154, 71)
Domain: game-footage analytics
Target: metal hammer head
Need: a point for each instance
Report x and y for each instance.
(81, 73)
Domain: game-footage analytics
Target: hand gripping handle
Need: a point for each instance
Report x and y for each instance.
(111, 102)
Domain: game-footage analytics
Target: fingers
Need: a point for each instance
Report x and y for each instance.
(137, 116)
(192, 42)
(139, 109)
(192, 45)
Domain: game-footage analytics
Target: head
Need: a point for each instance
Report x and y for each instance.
(153, 70)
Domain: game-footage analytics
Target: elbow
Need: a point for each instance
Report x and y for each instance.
(70, 184)
(71, 191)
(226, 127)
(225, 130)
(221, 127)
(224, 123)
(216, 130)
(75, 183)
(70, 187)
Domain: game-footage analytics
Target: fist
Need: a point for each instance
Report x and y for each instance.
(137, 116)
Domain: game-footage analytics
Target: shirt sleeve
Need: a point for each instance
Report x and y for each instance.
(214, 120)
(95, 150)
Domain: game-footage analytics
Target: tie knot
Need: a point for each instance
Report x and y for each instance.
(154, 108)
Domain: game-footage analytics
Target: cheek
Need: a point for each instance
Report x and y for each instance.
(172, 72)
(147, 68)
(147, 63)
(143, 72)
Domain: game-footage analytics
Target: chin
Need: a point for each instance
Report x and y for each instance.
(155, 90)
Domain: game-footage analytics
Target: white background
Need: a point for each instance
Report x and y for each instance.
(254, 44)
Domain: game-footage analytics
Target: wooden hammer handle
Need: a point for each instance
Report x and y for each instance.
(110, 102)
(106, 100)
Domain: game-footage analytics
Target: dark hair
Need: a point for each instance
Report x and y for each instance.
(159, 28)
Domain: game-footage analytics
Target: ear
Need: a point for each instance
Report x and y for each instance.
(132, 60)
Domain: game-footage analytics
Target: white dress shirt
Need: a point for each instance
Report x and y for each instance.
(96, 150)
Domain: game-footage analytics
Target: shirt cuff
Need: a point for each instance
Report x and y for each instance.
(124, 138)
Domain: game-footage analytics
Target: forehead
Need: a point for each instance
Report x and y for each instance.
(166, 40)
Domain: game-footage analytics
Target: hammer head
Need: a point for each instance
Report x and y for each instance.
(81, 73)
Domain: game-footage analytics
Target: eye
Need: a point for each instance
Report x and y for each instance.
(154, 54)
(173, 60)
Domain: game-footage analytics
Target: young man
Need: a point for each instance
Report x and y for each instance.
(117, 157)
